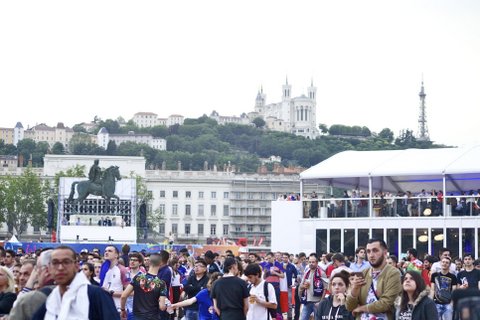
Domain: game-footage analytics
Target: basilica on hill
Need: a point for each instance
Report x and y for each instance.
(295, 115)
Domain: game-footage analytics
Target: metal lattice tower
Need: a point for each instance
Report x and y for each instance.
(422, 118)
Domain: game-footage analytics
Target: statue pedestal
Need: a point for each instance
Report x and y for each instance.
(95, 220)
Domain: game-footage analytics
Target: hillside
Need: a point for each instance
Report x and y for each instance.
(200, 142)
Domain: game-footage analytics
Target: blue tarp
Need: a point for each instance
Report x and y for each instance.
(147, 247)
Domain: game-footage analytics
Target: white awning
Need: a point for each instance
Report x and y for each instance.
(401, 170)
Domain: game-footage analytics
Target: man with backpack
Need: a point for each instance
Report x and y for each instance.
(443, 283)
(262, 300)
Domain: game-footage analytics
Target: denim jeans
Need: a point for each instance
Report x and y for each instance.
(191, 314)
(445, 311)
(307, 310)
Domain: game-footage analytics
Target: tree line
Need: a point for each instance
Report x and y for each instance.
(202, 140)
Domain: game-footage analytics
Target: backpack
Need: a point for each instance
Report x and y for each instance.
(443, 295)
(271, 311)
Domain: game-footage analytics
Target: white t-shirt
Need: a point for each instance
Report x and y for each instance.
(255, 310)
(437, 267)
(113, 281)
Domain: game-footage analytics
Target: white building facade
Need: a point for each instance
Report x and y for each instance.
(103, 138)
(151, 119)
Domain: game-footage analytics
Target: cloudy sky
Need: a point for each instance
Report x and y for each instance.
(67, 61)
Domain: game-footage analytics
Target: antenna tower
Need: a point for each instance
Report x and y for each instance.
(422, 119)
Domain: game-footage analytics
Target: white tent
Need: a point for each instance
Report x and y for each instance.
(13, 239)
(448, 169)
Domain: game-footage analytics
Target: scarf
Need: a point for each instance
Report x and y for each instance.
(73, 305)
(317, 284)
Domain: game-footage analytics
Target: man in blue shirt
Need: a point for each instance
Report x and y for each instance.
(290, 273)
(360, 263)
(165, 274)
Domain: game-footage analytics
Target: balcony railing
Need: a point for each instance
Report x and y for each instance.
(392, 206)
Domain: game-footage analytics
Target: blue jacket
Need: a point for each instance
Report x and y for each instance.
(290, 272)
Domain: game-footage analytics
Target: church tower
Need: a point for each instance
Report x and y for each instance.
(422, 118)
(287, 91)
(312, 91)
(260, 101)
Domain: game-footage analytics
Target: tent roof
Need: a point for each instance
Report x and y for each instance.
(401, 170)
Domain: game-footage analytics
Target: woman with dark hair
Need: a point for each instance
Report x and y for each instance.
(205, 303)
(176, 285)
(414, 302)
(89, 271)
(333, 307)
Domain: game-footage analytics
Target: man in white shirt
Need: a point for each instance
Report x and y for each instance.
(437, 266)
(115, 279)
(258, 304)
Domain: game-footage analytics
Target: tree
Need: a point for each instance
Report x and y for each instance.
(7, 148)
(386, 134)
(406, 139)
(24, 202)
(58, 148)
(3, 195)
(79, 128)
(78, 138)
(111, 148)
(153, 217)
(259, 122)
(112, 126)
(323, 128)
(25, 148)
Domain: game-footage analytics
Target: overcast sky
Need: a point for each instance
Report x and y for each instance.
(67, 61)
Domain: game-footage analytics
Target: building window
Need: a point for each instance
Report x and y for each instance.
(213, 210)
(161, 208)
(161, 228)
(174, 228)
(226, 195)
(187, 228)
(238, 229)
(250, 195)
(213, 195)
(200, 229)
(175, 194)
(200, 194)
(225, 229)
(174, 209)
(263, 228)
(188, 210)
(238, 195)
(200, 210)
(250, 228)
(188, 194)
(213, 229)
(225, 210)
(263, 195)
(150, 194)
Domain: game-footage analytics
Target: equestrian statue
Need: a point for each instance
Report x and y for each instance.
(99, 183)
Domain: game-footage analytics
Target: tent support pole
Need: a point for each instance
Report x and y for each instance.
(301, 190)
(444, 202)
(370, 202)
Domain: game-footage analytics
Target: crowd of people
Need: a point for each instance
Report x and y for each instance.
(59, 283)
(354, 203)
